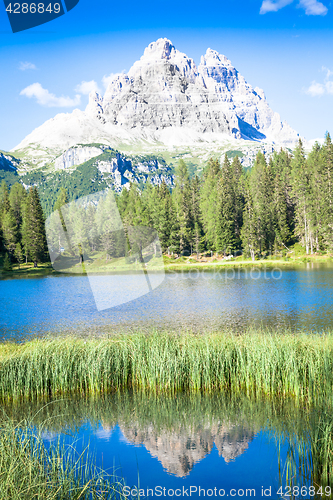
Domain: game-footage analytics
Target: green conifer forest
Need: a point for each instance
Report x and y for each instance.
(229, 210)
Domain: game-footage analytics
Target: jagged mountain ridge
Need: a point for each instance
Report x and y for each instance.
(166, 99)
(87, 169)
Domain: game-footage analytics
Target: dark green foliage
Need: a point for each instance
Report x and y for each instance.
(7, 265)
(182, 201)
(258, 211)
(8, 176)
(234, 153)
(86, 179)
(33, 229)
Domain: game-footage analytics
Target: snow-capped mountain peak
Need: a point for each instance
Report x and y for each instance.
(166, 99)
(214, 58)
(159, 53)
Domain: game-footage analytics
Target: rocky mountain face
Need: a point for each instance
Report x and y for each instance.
(115, 167)
(8, 162)
(166, 99)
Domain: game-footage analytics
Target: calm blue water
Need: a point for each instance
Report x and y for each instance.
(167, 461)
(176, 447)
(183, 442)
(299, 298)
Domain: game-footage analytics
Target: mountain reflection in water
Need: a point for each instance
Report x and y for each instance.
(195, 439)
(179, 450)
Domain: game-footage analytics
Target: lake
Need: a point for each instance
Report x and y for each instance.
(181, 442)
(299, 298)
(184, 442)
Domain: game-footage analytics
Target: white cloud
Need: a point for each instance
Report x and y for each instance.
(320, 140)
(273, 5)
(317, 89)
(45, 98)
(26, 65)
(87, 87)
(312, 7)
(329, 87)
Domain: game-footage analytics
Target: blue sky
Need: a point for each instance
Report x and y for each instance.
(282, 46)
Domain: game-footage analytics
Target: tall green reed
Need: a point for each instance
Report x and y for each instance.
(29, 469)
(270, 364)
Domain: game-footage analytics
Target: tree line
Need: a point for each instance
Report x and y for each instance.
(257, 211)
(22, 226)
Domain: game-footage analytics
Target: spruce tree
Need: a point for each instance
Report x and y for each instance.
(325, 182)
(238, 199)
(7, 265)
(197, 241)
(33, 229)
(18, 253)
(209, 202)
(225, 227)
(9, 231)
(17, 197)
(249, 231)
(302, 194)
(182, 202)
(164, 223)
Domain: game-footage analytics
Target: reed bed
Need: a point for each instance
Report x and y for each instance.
(271, 364)
(29, 469)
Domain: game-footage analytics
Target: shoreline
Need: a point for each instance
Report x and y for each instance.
(181, 264)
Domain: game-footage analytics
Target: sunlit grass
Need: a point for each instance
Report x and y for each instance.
(285, 364)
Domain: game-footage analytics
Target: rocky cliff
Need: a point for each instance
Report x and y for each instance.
(167, 99)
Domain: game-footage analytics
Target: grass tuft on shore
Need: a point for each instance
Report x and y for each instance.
(285, 364)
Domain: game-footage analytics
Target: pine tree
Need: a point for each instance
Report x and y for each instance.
(325, 181)
(182, 202)
(249, 231)
(18, 253)
(302, 194)
(93, 235)
(261, 187)
(209, 202)
(282, 231)
(9, 231)
(238, 199)
(225, 227)
(4, 208)
(17, 197)
(33, 229)
(7, 265)
(197, 241)
(163, 219)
